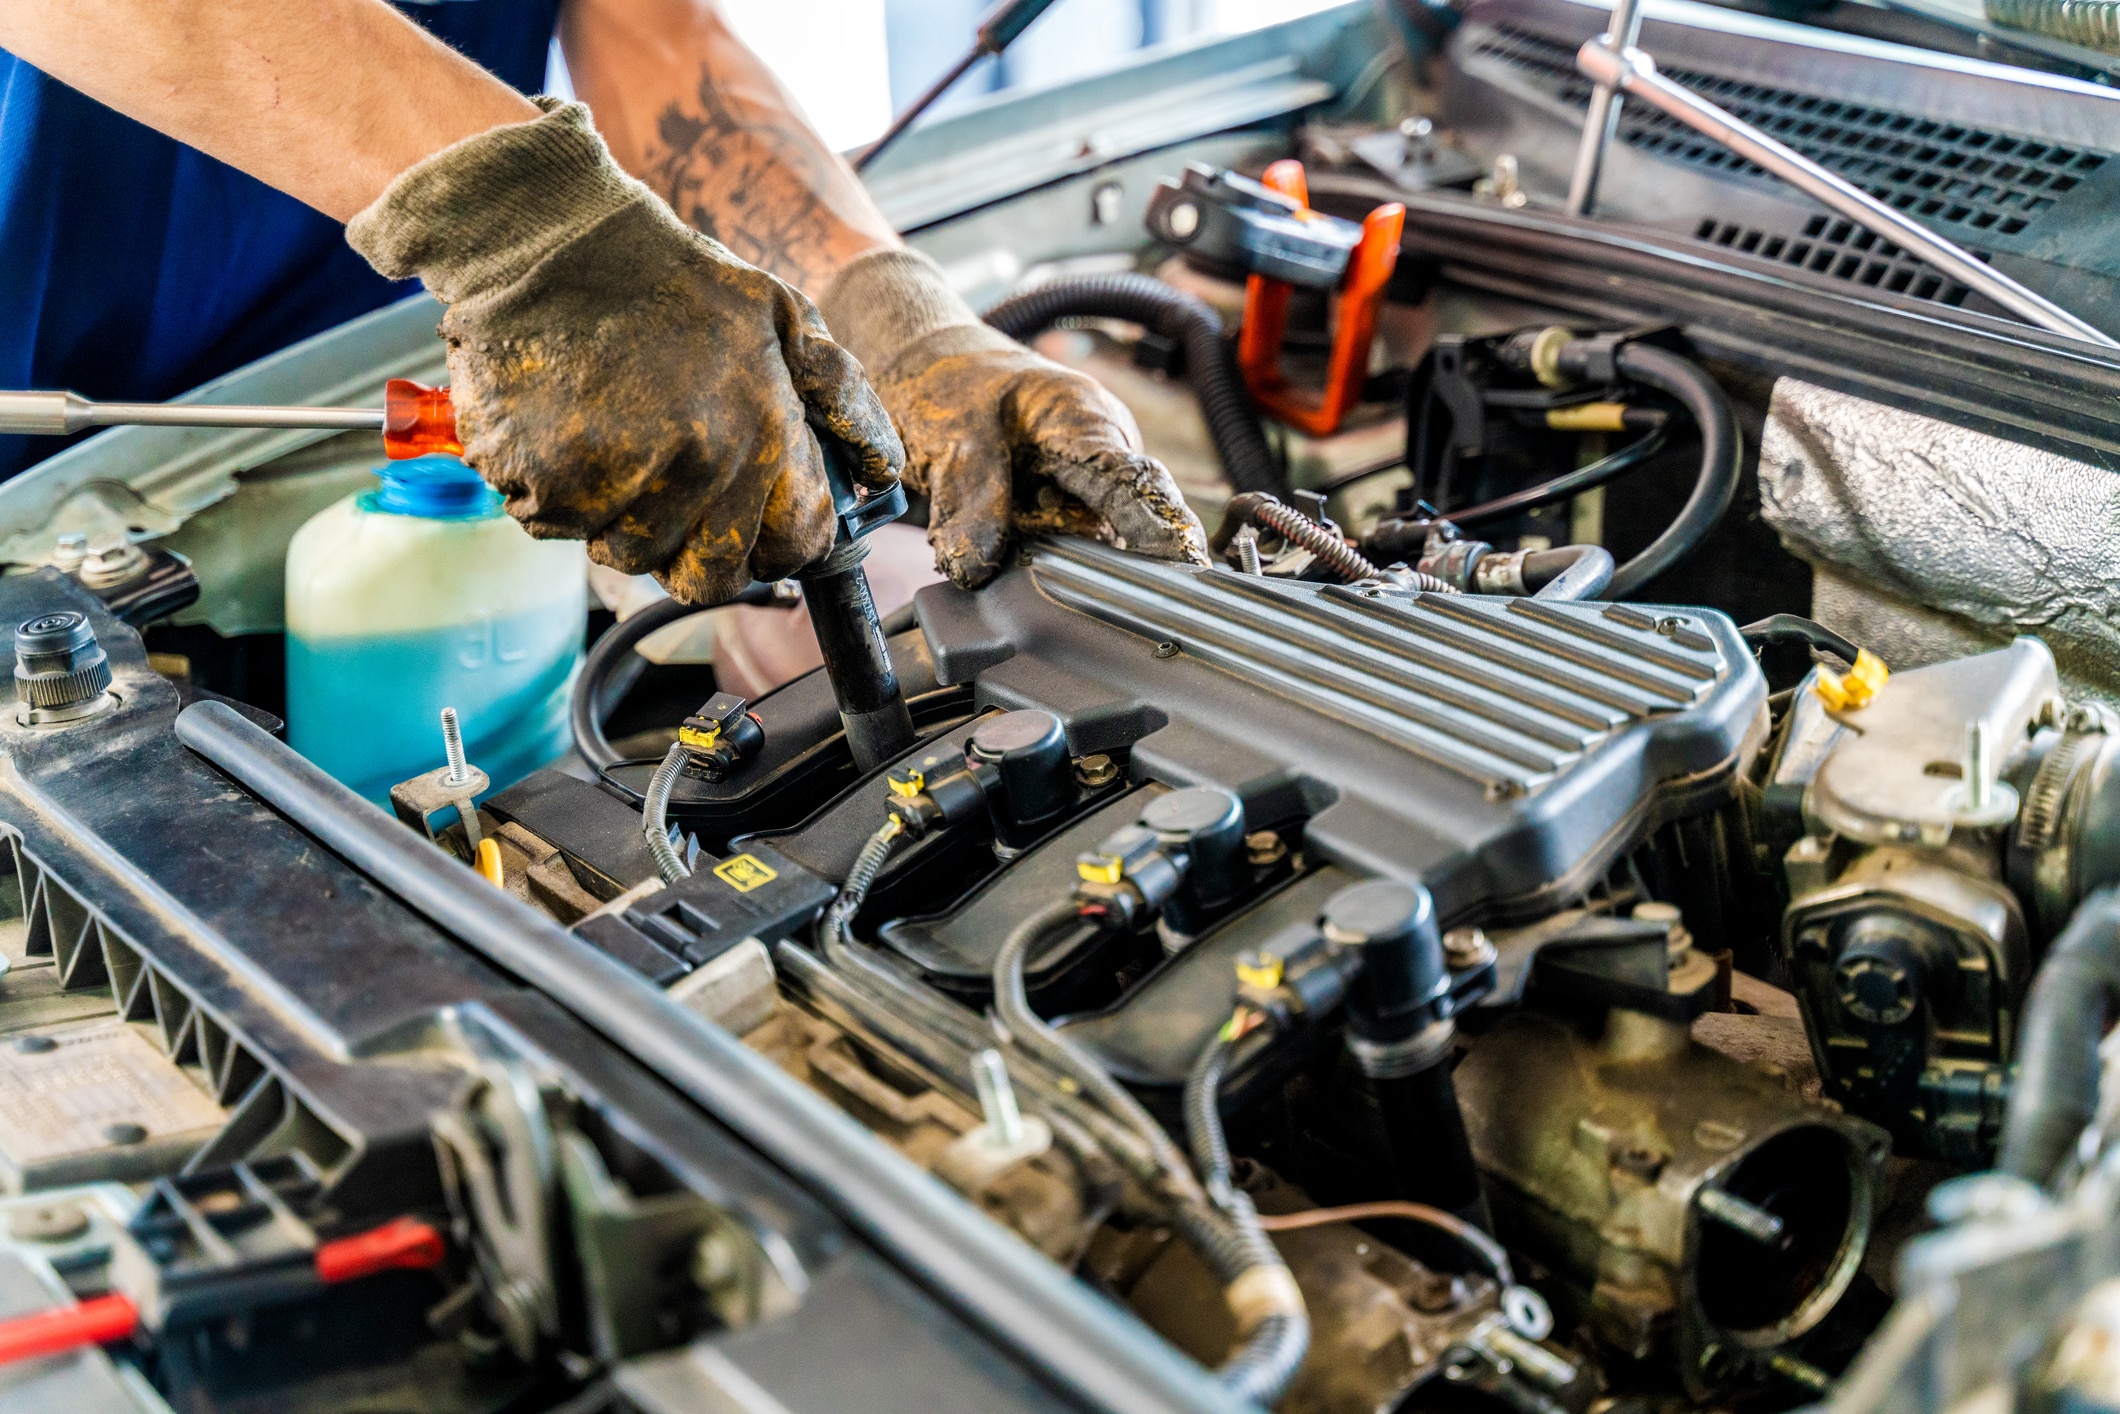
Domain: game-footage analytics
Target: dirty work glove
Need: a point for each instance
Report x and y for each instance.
(997, 437)
(618, 377)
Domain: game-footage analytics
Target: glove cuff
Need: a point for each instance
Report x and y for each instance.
(478, 214)
(884, 304)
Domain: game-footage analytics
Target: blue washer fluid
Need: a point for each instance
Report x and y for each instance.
(421, 595)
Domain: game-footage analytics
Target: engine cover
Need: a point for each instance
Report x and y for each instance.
(1502, 752)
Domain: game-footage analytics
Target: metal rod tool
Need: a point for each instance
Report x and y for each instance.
(42, 414)
(1629, 71)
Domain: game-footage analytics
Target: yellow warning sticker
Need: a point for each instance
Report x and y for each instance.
(744, 872)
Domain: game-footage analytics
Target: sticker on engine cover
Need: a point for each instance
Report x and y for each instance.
(745, 872)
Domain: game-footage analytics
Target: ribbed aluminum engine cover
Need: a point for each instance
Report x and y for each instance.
(1502, 751)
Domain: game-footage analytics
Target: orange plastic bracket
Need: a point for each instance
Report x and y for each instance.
(418, 421)
(1361, 296)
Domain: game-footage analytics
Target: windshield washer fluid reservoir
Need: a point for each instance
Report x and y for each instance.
(423, 595)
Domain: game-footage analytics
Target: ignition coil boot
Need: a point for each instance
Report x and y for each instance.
(1399, 1037)
(1202, 827)
(1032, 776)
(721, 736)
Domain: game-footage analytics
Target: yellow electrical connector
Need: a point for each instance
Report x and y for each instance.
(1857, 687)
(908, 785)
(488, 864)
(697, 739)
(1100, 868)
(1261, 970)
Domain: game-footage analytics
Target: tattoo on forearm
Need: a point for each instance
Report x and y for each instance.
(758, 187)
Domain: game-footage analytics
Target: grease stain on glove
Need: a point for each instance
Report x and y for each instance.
(1003, 441)
(618, 377)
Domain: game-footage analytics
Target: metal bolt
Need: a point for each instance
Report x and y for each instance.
(997, 1099)
(1183, 221)
(70, 551)
(1263, 847)
(1467, 947)
(1979, 784)
(1801, 1372)
(1750, 1219)
(1167, 649)
(1096, 770)
(1248, 552)
(453, 747)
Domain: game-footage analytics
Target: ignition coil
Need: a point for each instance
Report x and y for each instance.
(1015, 768)
(1400, 1035)
(1182, 862)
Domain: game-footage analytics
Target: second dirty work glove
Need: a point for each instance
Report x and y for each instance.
(997, 437)
(618, 377)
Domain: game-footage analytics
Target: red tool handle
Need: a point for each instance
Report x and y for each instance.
(405, 1244)
(105, 1318)
(418, 421)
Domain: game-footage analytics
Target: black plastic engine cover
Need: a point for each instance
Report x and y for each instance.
(1503, 752)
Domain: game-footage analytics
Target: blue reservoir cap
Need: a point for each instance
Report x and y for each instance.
(437, 487)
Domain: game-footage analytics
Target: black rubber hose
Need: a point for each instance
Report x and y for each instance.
(587, 707)
(1273, 1350)
(1722, 454)
(1097, 1354)
(1210, 361)
(1029, 1031)
(1794, 628)
(2074, 997)
(1561, 488)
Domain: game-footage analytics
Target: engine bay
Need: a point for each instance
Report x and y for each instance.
(1594, 900)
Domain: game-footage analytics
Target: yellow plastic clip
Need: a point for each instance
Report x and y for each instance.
(488, 864)
(1261, 970)
(1588, 417)
(908, 785)
(1100, 868)
(1858, 687)
(696, 739)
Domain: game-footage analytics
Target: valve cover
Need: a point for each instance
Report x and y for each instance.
(1501, 751)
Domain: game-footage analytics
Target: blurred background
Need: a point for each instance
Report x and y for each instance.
(826, 50)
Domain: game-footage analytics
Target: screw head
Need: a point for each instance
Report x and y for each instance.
(1467, 948)
(1097, 770)
(1167, 649)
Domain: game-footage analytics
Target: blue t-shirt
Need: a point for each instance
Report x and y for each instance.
(134, 267)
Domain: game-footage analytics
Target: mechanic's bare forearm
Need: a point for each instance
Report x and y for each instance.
(690, 110)
(327, 100)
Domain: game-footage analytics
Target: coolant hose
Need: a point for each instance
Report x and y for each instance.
(655, 811)
(1210, 361)
(1722, 452)
(2075, 995)
(1568, 572)
(1272, 1321)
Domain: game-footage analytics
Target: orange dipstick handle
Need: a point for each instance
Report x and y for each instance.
(418, 421)
(1361, 296)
